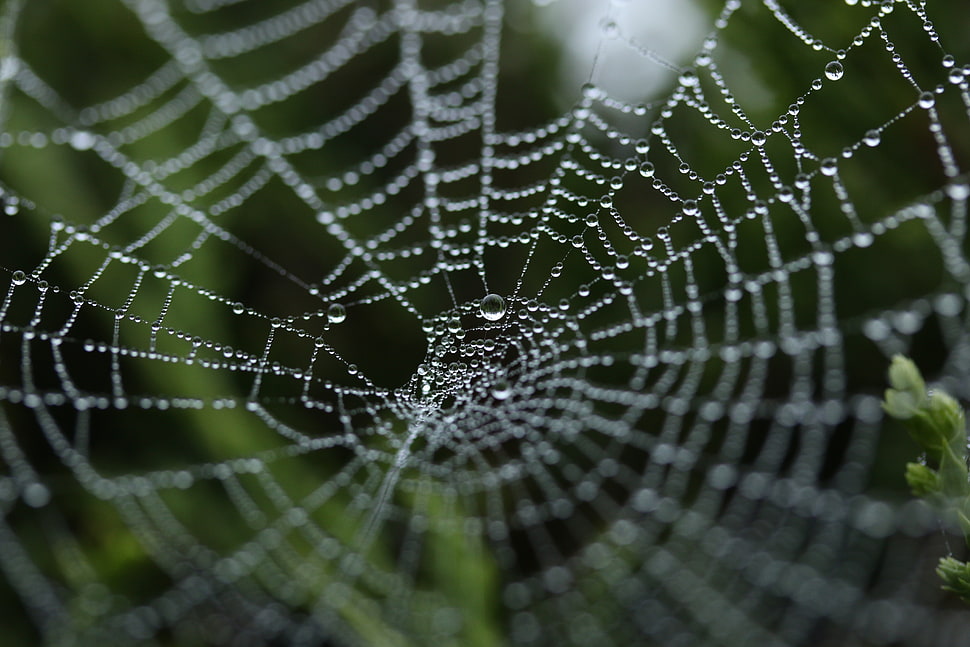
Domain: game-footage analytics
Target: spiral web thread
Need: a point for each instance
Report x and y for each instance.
(249, 394)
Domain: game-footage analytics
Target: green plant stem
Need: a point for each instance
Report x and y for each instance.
(937, 423)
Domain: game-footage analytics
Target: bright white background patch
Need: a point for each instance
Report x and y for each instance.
(599, 36)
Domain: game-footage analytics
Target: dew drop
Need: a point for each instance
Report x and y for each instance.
(493, 307)
(689, 78)
(759, 138)
(647, 169)
(336, 313)
(610, 29)
(829, 166)
(501, 390)
(926, 100)
(872, 138)
(238, 308)
(834, 71)
(81, 140)
(823, 258)
(19, 278)
(958, 191)
(590, 91)
(36, 495)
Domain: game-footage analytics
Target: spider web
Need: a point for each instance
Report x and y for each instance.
(326, 325)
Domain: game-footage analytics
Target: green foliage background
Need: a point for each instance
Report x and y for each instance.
(90, 51)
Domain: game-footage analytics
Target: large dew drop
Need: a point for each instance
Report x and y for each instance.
(336, 313)
(501, 390)
(834, 71)
(82, 140)
(493, 307)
